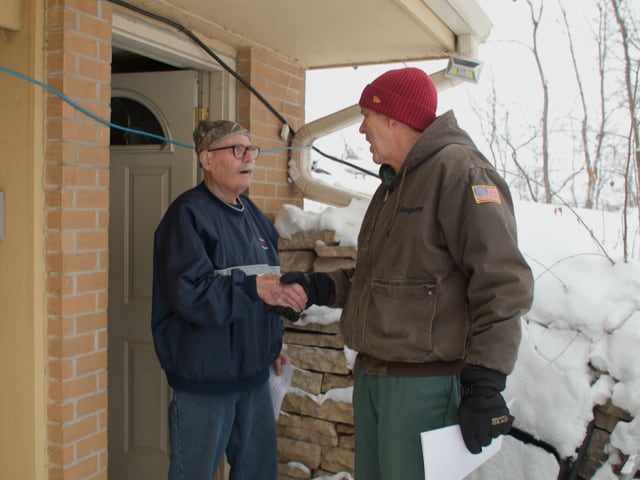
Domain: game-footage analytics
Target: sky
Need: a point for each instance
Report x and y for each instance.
(586, 311)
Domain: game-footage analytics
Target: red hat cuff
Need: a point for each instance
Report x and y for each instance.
(407, 95)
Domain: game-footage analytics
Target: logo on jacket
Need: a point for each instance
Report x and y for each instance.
(263, 243)
(410, 210)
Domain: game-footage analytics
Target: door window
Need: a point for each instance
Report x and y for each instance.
(129, 113)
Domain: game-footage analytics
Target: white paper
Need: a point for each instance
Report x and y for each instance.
(279, 385)
(446, 456)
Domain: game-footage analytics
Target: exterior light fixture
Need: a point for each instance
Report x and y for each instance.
(467, 69)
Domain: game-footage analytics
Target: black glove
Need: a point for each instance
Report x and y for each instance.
(482, 412)
(319, 287)
(286, 312)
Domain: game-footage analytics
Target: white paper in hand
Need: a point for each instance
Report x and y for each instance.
(446, 456)
(279, 385)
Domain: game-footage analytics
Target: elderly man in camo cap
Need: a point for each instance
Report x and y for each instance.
(215, 329)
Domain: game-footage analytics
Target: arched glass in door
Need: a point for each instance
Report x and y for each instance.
(129, 113)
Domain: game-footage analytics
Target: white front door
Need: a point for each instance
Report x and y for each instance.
(145, 177)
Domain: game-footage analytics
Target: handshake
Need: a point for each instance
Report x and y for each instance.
(318, 289)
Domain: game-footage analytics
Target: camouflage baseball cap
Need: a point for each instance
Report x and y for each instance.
(209, 133)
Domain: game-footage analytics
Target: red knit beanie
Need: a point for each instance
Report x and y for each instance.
(407, 95)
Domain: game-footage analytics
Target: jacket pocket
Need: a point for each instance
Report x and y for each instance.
(400, 321)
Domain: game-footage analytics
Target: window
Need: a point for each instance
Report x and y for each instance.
(131, 114)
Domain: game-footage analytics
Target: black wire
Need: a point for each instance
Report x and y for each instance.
(202, 45)
(526, 437)
(211, 53)
(338, 160)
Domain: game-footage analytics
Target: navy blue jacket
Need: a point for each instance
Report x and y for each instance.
(211, 331)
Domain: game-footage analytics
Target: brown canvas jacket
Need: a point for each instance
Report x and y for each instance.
(439, 279)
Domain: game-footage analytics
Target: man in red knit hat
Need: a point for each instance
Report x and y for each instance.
(433, 306)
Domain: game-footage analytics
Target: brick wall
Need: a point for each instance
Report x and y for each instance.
(78, 61)
(282, 85)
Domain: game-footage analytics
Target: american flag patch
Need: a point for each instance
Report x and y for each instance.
(485, 194)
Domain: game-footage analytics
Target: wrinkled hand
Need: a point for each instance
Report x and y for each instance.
(286, 300)
(318, 286)
(483, 413)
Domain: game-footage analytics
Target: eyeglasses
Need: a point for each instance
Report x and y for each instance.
(239, 151)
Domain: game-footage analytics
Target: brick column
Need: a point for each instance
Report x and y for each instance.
(77, 189)
(282, 85)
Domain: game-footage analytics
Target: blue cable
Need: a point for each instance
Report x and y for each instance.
(119, 127)
(88, 113)
(113, 125)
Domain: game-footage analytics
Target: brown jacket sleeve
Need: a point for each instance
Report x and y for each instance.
(480, 232)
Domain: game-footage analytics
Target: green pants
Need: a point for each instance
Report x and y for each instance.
(390, 412)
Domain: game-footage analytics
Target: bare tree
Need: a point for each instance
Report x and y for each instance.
(603, 124)
(503, 150)
(536, 17)
(631, 86)
(491, 131)
(591, 159)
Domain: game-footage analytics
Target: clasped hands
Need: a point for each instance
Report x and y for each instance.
(291, 293)
(287, 300)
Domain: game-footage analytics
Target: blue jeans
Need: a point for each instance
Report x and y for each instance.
(203, 427)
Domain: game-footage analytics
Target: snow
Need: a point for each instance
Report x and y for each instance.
(343, 394)
(345, 221)
(585, 319)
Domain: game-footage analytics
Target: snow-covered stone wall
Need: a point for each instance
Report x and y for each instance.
(315, 427)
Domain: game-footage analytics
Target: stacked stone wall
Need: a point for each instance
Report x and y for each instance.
(596, 453)
(315, 428)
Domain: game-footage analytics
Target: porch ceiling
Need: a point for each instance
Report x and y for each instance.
(330, 33)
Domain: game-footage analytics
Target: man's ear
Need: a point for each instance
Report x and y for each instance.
(203, 160)
(391, 122)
